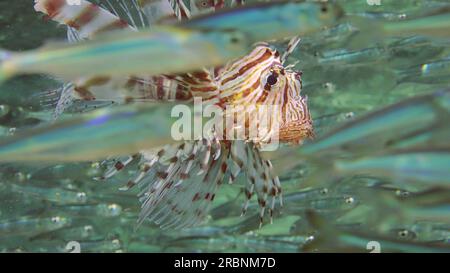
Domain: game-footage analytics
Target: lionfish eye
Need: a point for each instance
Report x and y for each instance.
(272, 79)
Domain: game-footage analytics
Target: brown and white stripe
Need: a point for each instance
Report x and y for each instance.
(87, 18)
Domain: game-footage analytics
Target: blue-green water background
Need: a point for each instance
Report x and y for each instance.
(73, 206)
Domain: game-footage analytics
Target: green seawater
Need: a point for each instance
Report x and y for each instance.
(48, 208)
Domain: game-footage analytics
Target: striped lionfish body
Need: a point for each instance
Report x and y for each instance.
(178, 182)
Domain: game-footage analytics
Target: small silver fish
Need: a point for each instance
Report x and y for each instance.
(431, 23)
(332, 239)
(98, 210)
(29, 225)
(428, 167)
(347, 58)
(171, 49)
(386, 126)
(54, 195)
(91, 136)
(434, 72)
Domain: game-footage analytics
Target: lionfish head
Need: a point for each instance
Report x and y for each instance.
(295, 122)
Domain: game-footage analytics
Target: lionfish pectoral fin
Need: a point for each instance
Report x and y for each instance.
(48, 99)
(173, 194)
(65, 100)
(117, 165)
(261, 181)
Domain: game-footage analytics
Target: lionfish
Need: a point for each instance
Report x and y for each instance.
(178, 182)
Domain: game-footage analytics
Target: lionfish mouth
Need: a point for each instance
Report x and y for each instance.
(296, 132)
